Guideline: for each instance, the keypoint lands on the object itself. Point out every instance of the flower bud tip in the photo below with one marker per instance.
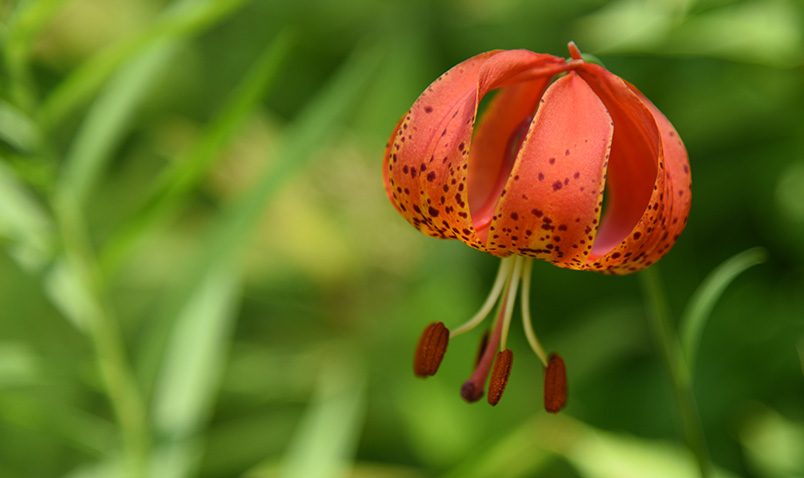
(574, 52)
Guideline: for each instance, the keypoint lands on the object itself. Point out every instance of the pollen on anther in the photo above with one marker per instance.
(555, 384)
(430, 350)
(499, 375)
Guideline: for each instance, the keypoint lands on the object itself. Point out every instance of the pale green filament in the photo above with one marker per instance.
(503, 273)
(510, 299)
(526, 319)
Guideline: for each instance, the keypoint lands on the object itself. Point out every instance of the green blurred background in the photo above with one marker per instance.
(201, 274)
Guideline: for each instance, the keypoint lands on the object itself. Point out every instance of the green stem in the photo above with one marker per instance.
(679, 372)
(103, 330)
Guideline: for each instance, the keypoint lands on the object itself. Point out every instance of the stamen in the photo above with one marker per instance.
(502, 275)
(499, 375)
(510, 299)
(555, 384)
(472, 389)
(430, 350)
(527, 322)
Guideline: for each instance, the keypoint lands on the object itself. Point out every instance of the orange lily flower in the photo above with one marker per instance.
(528, 181)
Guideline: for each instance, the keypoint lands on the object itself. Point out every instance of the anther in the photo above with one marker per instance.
(430, 350)
(499, 375)
(555, 384)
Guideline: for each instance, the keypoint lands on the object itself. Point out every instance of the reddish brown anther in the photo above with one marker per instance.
(555, 384)
(499, 375)
(431, 349)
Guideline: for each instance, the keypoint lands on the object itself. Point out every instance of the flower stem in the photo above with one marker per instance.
(679, 372)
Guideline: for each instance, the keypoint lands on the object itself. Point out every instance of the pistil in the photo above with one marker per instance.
(472, 389)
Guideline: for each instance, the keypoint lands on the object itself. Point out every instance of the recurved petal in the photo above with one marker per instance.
(635, 215)
(426, 161)
(551, 202)
(678, 183)
(495, 146)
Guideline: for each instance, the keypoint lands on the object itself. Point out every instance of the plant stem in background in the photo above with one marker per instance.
(679, 373)
(103, 330)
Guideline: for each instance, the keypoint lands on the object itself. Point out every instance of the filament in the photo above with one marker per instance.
(510, 299)
(526, 319)
(502, 275)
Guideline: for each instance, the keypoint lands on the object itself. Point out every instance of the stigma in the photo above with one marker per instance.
(494, 360)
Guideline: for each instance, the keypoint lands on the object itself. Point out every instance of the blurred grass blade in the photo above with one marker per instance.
(19, 365)
(773, 443)
(172, 188)
(196, 356)
(326, 440)
(111, 112)
(703, 301)
(598, 454)
(310, 131)
(16, 40)
(106, 123)
(17, 130)
(26, 21)
(179, 22)
(24, 222)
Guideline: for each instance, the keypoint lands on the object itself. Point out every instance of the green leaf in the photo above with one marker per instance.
(24, 222)
(706, 296)
(316, 124)
(191, 372)
(17, 129)
(18, 365)
(110, 114)
(773, 443)
(179, 22)
(326, 439)
(173, 187)
(27, 20)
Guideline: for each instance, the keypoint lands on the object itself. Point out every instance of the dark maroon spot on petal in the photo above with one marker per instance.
(431, 176)
(428, 109)
(557, 185)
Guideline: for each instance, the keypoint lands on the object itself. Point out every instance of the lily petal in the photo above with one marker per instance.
(551, 203)
(636, 178)
(426, 162)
